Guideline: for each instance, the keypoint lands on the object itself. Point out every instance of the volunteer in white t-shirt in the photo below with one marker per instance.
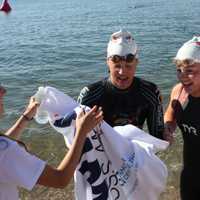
(21, 169)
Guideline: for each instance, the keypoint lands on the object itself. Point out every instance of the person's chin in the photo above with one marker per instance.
(123, 85)
(188, 89)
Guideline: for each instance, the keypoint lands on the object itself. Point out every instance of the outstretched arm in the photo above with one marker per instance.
(16, 130)
(61, 176)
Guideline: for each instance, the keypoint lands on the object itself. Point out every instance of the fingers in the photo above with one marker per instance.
(168, 136)
(31, 108)
(81, 114)
(94, 116)
(97, 114)
(33, 100)
(93, 110)
(33, 103)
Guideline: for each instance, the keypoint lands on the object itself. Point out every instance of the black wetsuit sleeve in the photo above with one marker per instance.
(84, 96)
(91, 95)
(155, 120)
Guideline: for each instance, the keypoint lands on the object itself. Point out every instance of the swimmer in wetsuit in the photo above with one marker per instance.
(124, 98)
(183, 111)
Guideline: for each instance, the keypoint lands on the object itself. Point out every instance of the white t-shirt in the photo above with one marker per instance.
(18, 168)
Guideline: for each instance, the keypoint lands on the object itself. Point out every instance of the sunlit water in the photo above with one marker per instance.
(63, 44)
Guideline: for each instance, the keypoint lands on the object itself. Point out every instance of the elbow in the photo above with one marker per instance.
(54, 178)
(63, 180)
(63, 183)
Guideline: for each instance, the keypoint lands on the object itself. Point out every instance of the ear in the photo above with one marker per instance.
(107, 61)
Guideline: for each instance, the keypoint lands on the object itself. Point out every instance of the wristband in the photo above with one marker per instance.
(26, 118)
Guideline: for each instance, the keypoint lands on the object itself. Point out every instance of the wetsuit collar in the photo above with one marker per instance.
(114, 88)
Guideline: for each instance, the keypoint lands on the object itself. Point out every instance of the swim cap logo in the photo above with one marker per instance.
(197, 43)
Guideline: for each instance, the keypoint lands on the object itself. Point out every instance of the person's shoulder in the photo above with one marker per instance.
(177, 87)
(91, 91)
(97, 84)
(93, 87)
(147, 84)
(178, 91)
(149, 91)
(5, 143)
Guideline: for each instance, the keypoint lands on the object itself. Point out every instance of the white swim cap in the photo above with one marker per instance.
(121, 43)
(190, 50)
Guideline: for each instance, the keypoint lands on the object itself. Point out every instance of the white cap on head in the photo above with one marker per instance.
(190, 50)
(121, 43)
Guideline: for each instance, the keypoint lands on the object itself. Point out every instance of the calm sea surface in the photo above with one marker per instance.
(63, 44)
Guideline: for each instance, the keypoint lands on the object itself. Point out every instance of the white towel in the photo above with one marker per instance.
(117, 163)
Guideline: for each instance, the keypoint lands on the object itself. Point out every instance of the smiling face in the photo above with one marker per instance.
(122, 72)
(189, 75)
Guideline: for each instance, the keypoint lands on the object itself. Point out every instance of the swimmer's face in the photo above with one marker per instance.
(189, 76)
(122, 71)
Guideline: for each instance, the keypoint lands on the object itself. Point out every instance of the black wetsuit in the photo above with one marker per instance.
(188, 120)
(140, 102)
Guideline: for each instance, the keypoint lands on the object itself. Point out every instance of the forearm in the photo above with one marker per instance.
(70, 161)
(169, 119)
(170, 126)
(61, 176)
(16, 130)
